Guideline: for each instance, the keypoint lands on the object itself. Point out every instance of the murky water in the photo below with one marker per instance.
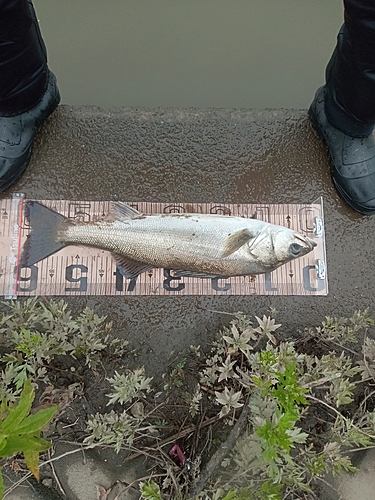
(190, 53)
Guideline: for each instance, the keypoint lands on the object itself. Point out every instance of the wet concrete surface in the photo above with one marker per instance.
(190, 155)
(182, 155)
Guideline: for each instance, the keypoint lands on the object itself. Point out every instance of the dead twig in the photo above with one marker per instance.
(220, 454)
(197, 434)
(55, 475)
(16, 484)
(175, 437)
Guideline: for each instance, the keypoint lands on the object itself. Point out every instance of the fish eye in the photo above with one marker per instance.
(295, 249)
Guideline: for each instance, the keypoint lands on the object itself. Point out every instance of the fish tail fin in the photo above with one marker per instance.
(42, 240)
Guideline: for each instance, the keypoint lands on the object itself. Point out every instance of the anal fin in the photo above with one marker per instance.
(130, 268)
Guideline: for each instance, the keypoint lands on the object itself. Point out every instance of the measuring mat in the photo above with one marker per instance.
(78, 270)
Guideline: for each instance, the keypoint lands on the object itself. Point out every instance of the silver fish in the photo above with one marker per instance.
(195, 245)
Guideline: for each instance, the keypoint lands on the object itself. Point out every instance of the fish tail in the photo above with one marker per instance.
(42, 240)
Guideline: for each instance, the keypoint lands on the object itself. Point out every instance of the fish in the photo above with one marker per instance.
(190, 244)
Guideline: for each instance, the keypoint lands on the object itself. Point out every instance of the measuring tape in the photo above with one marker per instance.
(76, 270)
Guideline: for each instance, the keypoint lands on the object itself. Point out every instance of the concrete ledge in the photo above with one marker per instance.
(197, 155)
(219, 155)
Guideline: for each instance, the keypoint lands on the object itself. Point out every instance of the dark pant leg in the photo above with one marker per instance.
(23, 58)
(350, 74)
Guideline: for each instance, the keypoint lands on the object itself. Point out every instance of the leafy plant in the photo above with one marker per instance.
(121, 429)
(229, 399)
(20, 430)
(290, 410)
(34, 333)
(176, 376)
(284, 388)
(128, 386)
(150, 490)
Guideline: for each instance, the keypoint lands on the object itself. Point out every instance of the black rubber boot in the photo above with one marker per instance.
(28, 90)
(343, 111)
(352, 158)
(17, 134)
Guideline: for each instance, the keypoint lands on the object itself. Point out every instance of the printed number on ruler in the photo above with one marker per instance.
(77, 280)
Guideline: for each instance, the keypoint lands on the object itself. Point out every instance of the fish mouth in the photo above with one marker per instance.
(306, 240)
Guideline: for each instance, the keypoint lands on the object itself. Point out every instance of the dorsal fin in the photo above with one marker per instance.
(121, 211)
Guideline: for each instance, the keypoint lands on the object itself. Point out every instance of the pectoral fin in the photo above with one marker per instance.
(130, 268)
(235, 241)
